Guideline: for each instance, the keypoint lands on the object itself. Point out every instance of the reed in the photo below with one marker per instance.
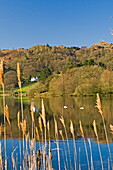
(1, 160)
(111, 128)
(13, 159)
(40, 126)
(43, 142)
(19, 127)
(74, 144)
(96, 134)
(79, 151)
(37, 134)
(3, 92)
(99, 106)
(57, 142)
(22, 113)
(1, 74)
(82, 134)
(7, 114)
(43, 116)
(32, 155)
(65, 153)
(18, 119)
(18, 76)
(48, 128)
(20, 86)
(32, 112)
(32, 118)
(91, 154)
(27, 138)
(49, 142)
(23, 126)
(63, 123)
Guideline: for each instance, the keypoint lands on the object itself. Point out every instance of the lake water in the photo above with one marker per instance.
(80, 153)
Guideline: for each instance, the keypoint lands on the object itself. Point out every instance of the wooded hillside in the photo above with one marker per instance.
(61, 70)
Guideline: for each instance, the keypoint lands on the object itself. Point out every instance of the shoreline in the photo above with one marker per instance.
(51, 95)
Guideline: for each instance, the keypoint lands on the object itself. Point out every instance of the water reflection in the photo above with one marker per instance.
(54, 107)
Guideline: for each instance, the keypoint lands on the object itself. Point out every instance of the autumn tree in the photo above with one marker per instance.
(10, 79)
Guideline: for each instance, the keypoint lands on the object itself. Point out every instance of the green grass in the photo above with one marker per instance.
(25, 87)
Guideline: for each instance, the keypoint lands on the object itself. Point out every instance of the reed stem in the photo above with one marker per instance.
(96, 134)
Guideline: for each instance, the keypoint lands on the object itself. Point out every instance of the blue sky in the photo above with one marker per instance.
(25, 23)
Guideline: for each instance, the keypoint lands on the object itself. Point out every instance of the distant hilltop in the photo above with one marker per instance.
(103, 44)
(99, 44)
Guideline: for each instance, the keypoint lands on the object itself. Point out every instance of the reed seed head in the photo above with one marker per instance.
(18, 119)
(48, 126)
(32, 112)
(1, 73)
(40, 123)
(18, 75)
(60, 131)
(7, 114)
(111, 128)
(71, 127)
(27, 137)
(23, 126)
(81, 129)
(43, 114)
(99, 105)
(37, 133)
(62, 121)
(95, 128)
(56, 127)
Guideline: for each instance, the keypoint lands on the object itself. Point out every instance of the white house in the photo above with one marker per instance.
(34, 79)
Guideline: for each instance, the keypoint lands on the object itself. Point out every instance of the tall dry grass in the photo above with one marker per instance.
(7, 115)
(99, 106)
(1, 160)
(63, 123)
(96, 134)
(33, 119)
(74, 143)
(91, 154)
(86, 151)
(20, 87)
(64, 151)
(3, 92)
(57, 142)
